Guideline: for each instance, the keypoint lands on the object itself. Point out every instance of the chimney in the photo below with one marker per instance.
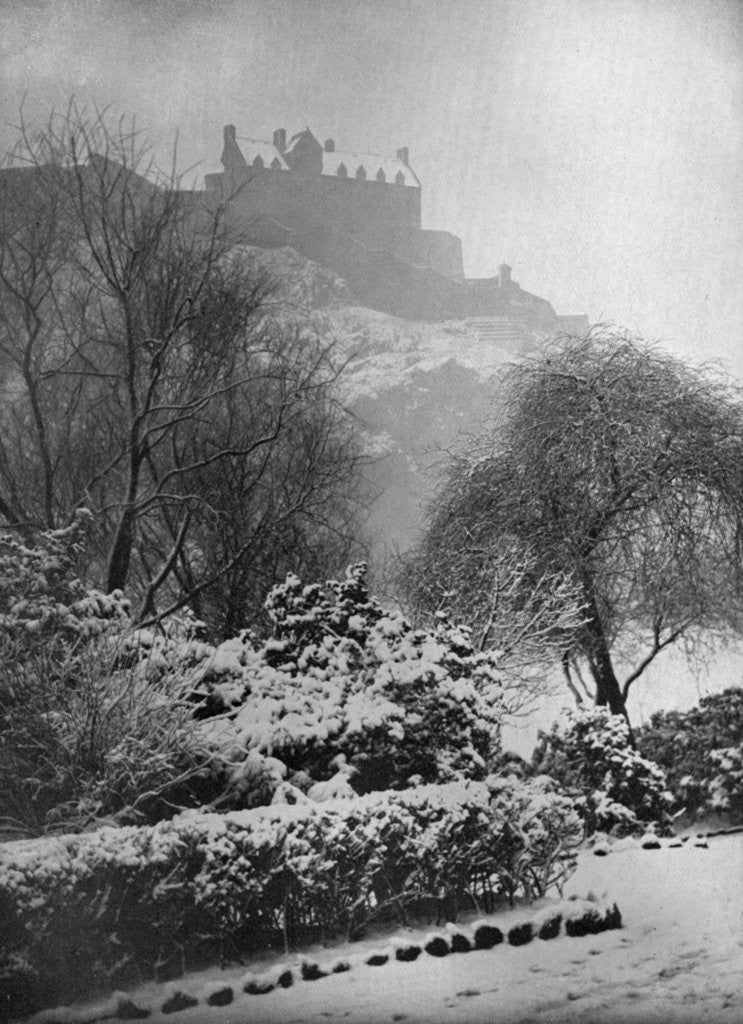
(229, 131)
(329, 146)
(504, 275)
(279, 139)
(403, 155)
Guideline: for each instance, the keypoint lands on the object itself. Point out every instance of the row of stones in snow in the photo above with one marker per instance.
(573, 917)
(604, 845)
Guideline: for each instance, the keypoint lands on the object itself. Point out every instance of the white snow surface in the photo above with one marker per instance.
(677, 958)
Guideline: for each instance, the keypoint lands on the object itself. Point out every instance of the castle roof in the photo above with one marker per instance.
(390, 167)
(375, 168)
(268, 153)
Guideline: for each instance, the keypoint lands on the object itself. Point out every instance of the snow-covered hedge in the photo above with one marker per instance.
(113, 905)
(344, 681)
(701, 751)
(616, 789)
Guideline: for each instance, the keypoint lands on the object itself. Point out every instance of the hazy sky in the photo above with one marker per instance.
(595, 145)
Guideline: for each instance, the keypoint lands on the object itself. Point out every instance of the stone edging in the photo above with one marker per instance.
(573, 917)
(653, 842)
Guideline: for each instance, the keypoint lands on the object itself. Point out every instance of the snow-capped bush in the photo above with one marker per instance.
(693, 747)
(615, 788)
(726, 785)
(41, 597)
(92, 725)
(102, 906)
(87, 739)
(102, 719)
(535, 841)
(342, 677)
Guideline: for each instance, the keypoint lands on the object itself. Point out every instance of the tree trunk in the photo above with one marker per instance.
(121, 551)
(608, 690)
(119, 559)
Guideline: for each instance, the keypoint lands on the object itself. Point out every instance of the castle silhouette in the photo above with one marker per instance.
(359, 214)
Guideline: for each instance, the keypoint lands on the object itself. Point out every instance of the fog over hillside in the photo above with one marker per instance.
(596, 147)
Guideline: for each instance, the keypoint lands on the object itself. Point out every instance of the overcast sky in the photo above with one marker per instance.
(595, 145)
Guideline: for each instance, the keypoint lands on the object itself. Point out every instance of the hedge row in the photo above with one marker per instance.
(117, 905)
(574, 918)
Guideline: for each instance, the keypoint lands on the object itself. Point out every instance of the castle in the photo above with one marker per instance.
(360, 215)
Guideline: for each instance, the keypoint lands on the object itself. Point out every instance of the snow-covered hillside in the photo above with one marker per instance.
(414, 386)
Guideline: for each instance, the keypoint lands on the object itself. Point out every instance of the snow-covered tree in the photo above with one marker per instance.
(614, 471)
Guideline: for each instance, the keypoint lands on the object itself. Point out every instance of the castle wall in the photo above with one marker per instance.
(370, 210)
(437, 250)
(390, 284)
(488, 296)
(376, 277)
(413, 274)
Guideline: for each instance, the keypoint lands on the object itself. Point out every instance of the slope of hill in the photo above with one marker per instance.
(414, 386)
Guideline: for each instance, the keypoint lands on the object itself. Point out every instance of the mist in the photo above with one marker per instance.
(597, 146)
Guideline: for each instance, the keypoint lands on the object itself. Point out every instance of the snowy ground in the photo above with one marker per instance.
(678, 958)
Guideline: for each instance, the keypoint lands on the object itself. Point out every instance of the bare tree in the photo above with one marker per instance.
(512, 604)
(143, 364)
(292, 507)
(615, 471)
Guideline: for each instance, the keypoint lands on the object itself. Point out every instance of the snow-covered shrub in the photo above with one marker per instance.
(91, 724)
(88, 738)
(342, 678)
(529, 832)
(726, 785)
(535, 837)
(101, 719)
(691, 747)
(615, 788)
(83, 909)
(42, 600)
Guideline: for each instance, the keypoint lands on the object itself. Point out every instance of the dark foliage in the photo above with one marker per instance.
(592, 758)
(683, 742)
